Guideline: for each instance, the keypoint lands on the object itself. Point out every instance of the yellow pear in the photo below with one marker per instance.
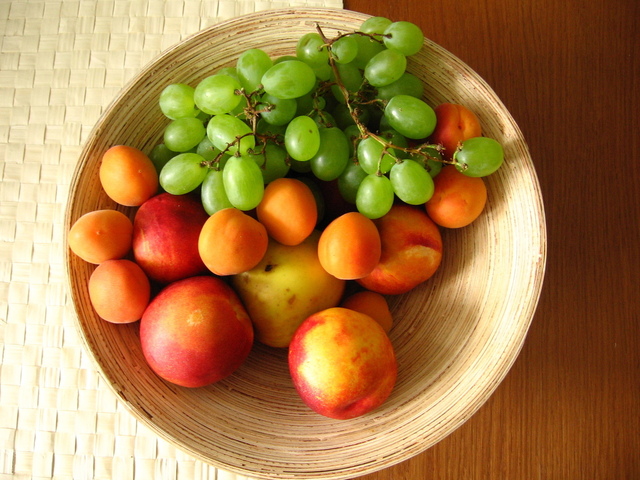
(285, 288)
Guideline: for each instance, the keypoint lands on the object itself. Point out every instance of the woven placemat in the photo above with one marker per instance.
(61, 64)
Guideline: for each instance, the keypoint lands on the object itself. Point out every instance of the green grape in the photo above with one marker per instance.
(323, 119)
(375, 25)
(352, 132)
(239, 111)
(302, 138)
(332, 156)
(433, 167)
(284, 58)
(410, 116)
(272, 160)
(385, 67)
(231, 71)
(207, 150)
(216, 94)
(305, 104)
(289, 79)
(323, 72)
(479, 156)
(397, 139)
(375, 196)
(183, 173)
(183, 134)
(383, 123)
(344, 50)
(300, 167)
(407, 84)
(367, 49)
(432, 162)
(372, 156)
(277, 111)
(349, 181)
(343, 116)
(319, 103)
(251, 66)
(311, 49)
(176, 101)
(274, 131)
(350, 77)
(203, 117)
(406, 37)
(212, 193)
(411, 182)
(160, 155)
(243, 182)
(225, 130)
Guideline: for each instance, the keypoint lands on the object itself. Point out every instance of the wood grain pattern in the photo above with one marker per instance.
(569, 74)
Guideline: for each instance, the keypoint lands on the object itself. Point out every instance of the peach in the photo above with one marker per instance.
(166, 230)
(454, 123)
(196, 332)
(411, 251)
(342, 363)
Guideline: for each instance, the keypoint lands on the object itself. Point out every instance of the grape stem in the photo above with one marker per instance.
(388, 147)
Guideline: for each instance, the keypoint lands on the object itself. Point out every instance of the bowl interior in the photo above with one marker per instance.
(456, 336)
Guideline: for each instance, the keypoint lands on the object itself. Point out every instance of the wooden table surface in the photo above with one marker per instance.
(569, 72)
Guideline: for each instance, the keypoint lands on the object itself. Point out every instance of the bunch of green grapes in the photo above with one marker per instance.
(342, 109)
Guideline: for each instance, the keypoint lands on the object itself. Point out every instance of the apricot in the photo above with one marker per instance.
(454, 124)
(101, 235)
(288, 210)
(457, 198)
(128, 176)
(373, 304)
(119, 291)
(232, 242)
(349, 247)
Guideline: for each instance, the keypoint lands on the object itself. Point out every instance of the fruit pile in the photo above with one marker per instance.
(288, 197)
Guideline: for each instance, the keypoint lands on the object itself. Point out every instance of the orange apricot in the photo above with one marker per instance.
(288, 211)
(373, 304)
(350, 247)
(232, 242)
(457, 198)
(101, 235)
(119, 291)
(128, 176)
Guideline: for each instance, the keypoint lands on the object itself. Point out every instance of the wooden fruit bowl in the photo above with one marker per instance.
(456, 336)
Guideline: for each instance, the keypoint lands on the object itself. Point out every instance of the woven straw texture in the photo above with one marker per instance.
(61, 64)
